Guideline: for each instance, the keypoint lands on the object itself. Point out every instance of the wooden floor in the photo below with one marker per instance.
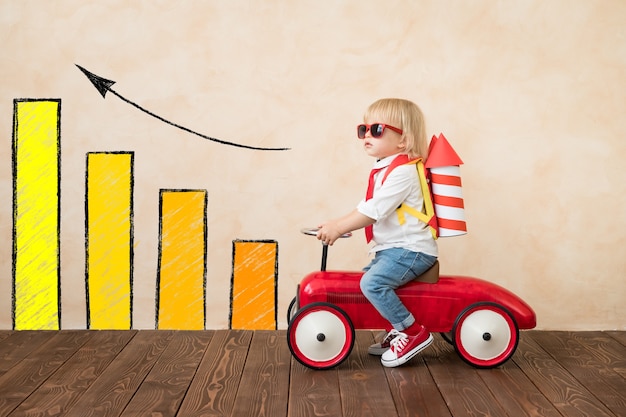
(246, 373)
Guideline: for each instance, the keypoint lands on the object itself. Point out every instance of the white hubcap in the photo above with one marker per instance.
(320, 336)
(485, 334)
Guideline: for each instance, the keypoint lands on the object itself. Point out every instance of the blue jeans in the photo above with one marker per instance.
(390, 269)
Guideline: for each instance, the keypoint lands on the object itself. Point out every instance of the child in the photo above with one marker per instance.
(394, 128)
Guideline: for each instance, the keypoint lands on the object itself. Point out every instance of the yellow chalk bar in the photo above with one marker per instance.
(182, 260)
(36, 267)
(109, 239)
(253, 288)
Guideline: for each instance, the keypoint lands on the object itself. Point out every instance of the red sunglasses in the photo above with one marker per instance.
(376, 129)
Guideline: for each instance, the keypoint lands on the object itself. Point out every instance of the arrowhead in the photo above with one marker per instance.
(441, 153)
(102, 84)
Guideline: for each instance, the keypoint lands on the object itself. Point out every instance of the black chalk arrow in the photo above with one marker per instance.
(104, 86)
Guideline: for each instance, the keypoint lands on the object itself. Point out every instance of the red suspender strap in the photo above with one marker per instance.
(402, 159)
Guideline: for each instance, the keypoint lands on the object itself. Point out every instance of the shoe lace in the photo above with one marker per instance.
(399, 341)
(393, 333)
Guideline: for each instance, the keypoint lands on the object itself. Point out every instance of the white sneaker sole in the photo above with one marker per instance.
(404, 359)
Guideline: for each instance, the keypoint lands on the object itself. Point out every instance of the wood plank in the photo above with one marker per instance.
(213, 390)
(21, 380)
(165, 386)
(590, 357)
(313, 393)
(562, 389)
(5, 333)
(414, 390)
(19, 345)
(57, 394)
(113, 390)
(461, 385)
(265, 380)
(516, 393)
(620, 336)
(362, 382)
(600, 346)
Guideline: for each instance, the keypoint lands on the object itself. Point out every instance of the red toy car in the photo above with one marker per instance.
(480, 319)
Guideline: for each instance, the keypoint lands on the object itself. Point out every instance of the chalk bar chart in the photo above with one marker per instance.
(181, 281)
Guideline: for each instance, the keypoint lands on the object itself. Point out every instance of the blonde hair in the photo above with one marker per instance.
(405, 115)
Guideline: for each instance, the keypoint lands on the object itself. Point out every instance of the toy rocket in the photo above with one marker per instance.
(445, 183)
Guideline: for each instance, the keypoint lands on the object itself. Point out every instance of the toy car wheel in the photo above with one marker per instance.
(291, 310)
(485, 335)
(320, 336)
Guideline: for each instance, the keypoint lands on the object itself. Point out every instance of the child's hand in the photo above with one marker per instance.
(328, 232)
(332, 230)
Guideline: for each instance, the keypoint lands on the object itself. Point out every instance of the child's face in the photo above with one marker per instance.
(390, 143)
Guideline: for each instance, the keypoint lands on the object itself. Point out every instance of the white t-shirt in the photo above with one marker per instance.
(401, 186)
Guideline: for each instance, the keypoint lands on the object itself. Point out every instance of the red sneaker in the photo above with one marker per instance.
(405, 347)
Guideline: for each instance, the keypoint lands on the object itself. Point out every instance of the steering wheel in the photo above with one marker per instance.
(312, 231)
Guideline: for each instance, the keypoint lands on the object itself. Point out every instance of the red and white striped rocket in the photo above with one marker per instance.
(445, 183)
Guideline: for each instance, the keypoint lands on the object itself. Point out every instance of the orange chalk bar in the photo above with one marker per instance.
(253, 289)
(182, 260)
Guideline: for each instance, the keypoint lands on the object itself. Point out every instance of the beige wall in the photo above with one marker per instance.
(532, 95)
